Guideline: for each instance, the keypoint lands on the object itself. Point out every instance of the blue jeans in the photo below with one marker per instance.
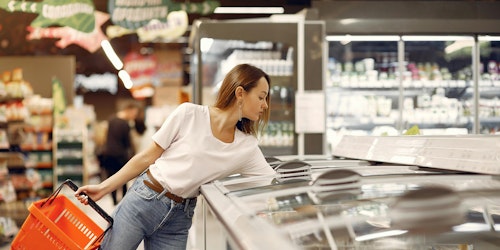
(146, 215)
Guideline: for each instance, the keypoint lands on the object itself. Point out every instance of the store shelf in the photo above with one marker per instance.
(490, 122)
(484, 92)
(69, 155)
(13, 158)
(435, 89)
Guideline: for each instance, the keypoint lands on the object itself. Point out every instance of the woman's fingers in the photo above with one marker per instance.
(83, 198)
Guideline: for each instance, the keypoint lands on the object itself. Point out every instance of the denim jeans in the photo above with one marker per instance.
(146, 215)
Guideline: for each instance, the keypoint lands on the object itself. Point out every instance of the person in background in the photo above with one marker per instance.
(118, 147)
(195, 145)
(138, 131)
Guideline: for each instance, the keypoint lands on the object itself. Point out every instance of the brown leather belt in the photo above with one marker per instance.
(157, 187)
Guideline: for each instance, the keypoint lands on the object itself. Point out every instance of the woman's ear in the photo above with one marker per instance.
(239, 92)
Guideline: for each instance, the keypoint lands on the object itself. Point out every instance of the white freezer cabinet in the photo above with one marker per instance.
(344, 203)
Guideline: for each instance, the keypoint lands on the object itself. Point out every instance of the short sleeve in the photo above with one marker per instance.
(170, 128)
(257, 165)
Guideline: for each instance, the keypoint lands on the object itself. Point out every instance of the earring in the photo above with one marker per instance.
(240, 113)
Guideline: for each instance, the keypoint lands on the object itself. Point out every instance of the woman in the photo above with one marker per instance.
(195, 145)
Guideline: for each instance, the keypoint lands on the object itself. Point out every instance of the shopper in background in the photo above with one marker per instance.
(118, 147)
(138, 131)
(195, 145)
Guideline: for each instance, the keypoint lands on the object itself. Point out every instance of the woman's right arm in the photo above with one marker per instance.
(130, 170)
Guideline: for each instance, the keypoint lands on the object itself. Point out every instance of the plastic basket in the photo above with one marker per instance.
(57, 223)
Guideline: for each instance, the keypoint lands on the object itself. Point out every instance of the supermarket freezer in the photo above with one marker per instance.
(334, 203)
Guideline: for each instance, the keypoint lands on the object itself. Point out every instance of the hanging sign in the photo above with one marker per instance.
(67, 36)
(141, 69)
(134, 14)
(77, 14)
(78, 22)
(176, 25)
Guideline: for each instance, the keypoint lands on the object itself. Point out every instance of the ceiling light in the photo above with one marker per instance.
(125, 77)
(361, 38)
(111, 54)
(206, 44)
(489, 38)
(437, 38)
(249, 10)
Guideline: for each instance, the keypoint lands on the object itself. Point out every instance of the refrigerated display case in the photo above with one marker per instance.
(289, 48)
(438, 53)
(370, 203)
(387, 84)
(489, 84)
(362, 91)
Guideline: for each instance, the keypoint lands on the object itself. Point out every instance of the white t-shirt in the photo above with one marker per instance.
(193, 156)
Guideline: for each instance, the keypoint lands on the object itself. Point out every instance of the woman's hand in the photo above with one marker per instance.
(95, 192)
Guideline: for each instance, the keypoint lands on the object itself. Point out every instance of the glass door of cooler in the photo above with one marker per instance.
(489, 84)
(362, 92)
(219, 56)
(438, 84)
(367, 96)
(273, 45)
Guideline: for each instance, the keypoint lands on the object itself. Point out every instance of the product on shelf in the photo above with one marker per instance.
(28, 128)
(15, 85)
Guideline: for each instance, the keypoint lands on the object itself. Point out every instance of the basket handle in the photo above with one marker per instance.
(92, 203)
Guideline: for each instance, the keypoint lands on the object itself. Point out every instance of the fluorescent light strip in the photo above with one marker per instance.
(111, 54)
(489, 38)
(249, 10)
(437, 38)
(361, 38)
(206, 44)
(125, 77)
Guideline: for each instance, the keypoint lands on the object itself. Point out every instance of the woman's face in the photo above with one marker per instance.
(254, 101)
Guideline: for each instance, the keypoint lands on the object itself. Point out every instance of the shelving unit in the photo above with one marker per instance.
(37, 146)
(384, 85)
(416, 53)
(69, 156)
(12, 212)
(27, 133)
(9, 161)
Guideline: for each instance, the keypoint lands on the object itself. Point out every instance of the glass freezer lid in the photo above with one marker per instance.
(432, 217)
(239, 186)
(377, 191)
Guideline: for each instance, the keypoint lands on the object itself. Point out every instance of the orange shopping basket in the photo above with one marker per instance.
(57, 223)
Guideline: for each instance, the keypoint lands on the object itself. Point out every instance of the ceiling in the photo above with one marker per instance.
(13, 34)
